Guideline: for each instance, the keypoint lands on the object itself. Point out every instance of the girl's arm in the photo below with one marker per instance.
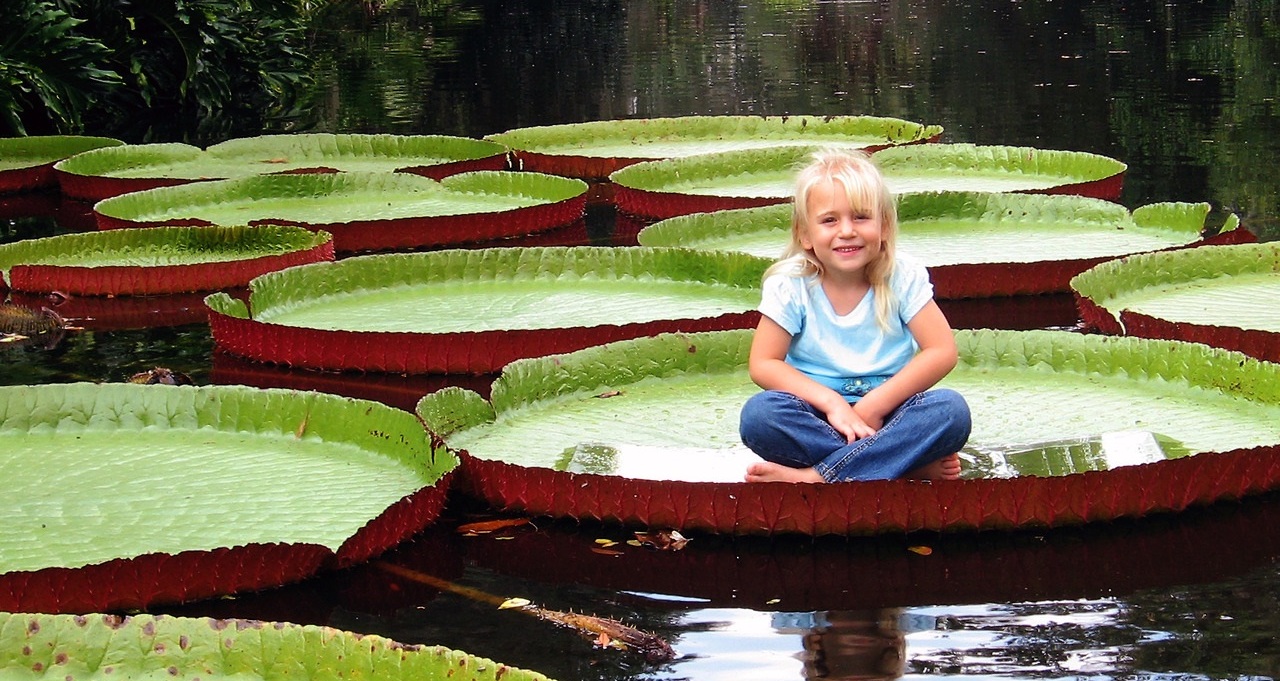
(768, 368)
(937, 357)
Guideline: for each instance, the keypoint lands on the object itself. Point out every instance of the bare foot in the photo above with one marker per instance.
(946, 468)
(767, 471)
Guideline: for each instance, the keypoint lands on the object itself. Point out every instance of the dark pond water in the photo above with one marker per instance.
(1185, 93)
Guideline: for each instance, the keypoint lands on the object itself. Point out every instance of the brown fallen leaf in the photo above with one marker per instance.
(483, 526)
(662, 540)
(610, 393)
(921, 550)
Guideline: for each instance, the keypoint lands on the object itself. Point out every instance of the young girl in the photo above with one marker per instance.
(849, 344)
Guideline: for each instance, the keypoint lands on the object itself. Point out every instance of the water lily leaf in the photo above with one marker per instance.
(759, 177)
(121, 495)
(1207, 295)
(595, 149)
(364, 211)
(157, 260)
(135, 167)
(974, 244)
(474, 311)
(145, 646)
(26, 163)
(683, 392)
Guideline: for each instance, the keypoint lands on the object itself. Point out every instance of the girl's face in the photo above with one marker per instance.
(844, 239)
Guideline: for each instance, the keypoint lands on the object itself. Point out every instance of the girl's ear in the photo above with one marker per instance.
(802, 235)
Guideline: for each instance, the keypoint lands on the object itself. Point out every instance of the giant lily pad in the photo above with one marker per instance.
(26, 163)
(123, 495)
(474, 311)
(144, 646)
(157, 260)
(364, 211)
(674, 400)
(761, 177)
(111, 172)
(976, 244)
(1221, 295)
(593, 150)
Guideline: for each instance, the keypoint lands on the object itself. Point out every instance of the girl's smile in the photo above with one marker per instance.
(842, 238)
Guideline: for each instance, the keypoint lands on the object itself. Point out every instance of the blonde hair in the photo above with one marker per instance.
(866, 190)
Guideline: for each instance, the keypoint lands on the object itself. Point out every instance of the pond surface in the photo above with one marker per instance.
(1184, 93)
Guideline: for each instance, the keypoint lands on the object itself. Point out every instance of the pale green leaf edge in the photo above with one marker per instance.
(83, 647)
(267, 239)
(1104, 282)
(395, 186)
(285, 288)
(894, 161)
(639, 132)
(395, 150)
(43, 149)
(1183, 219)
(83, 407)
(610, 366)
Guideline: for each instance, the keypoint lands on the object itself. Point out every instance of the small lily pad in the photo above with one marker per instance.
(1214, 295)
(975, 244)
(761, 177)
(595, 149)
(364, 211)
(135, 167)
(474, 311)
(82, 647)
(122, 495)
(159, 260)
(26, 163)
(682, 393)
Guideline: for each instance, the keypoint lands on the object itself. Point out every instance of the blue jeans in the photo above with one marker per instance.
(785, 429)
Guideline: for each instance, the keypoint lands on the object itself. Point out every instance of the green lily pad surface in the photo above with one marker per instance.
(1009, 243)
(26, 163)
(741, 179)
(364, 211)
(95, 474)
(595, 149)
(476, 310)
(90, 175)
(1044, 404)
(1216, 295)
(83, 647)
(157, 260)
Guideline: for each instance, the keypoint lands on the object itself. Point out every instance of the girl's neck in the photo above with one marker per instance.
(845, 293)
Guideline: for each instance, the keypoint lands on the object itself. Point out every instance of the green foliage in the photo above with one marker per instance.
(195, 64)
(49, 75)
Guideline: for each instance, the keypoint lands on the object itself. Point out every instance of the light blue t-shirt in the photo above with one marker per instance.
(850, 354)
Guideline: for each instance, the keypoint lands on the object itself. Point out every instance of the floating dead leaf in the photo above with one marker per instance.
(515, 603)
(302, 427)
(606, 542)
(773, 601)
(610, 393)
(662, 540)
(634, 542)
(921, 550)
(485, 526)
(606, 552)
(276, 160)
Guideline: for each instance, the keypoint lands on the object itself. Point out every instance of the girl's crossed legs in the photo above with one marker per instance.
(786, 430)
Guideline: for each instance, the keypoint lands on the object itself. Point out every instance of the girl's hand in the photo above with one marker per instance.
(848, 423)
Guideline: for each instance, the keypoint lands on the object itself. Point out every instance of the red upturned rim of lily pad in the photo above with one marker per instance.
(26, 163)
(595, 149)
(237, 329)
(216, 258)
(388, 211)
(137, 167)
(873, 507)
(1095, 288)
(134, 577)
(667, 188)
(981, 244)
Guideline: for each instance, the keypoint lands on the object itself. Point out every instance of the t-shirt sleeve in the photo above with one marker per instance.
(780, 302)
(912, 287)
